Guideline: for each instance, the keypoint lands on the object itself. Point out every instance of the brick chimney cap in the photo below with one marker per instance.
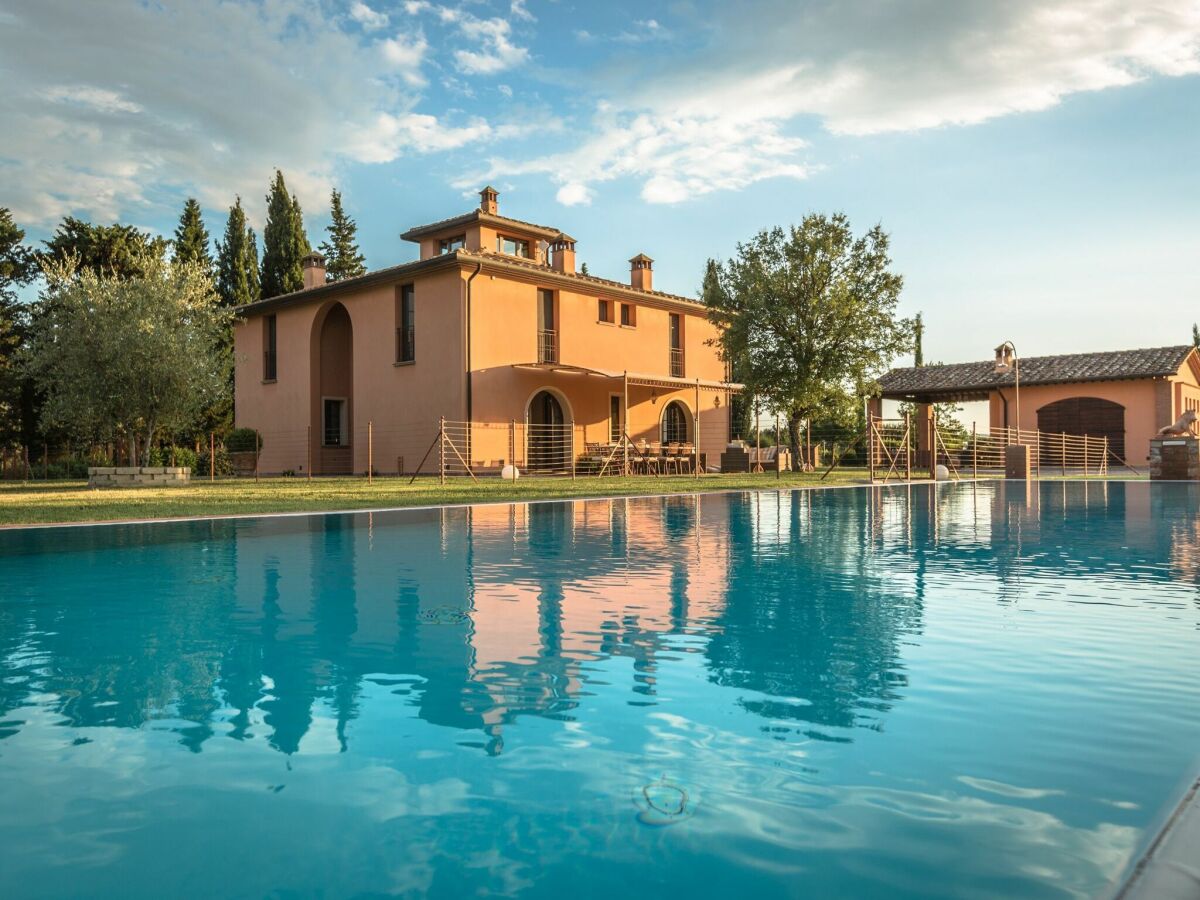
(641, 257)
(313, 259)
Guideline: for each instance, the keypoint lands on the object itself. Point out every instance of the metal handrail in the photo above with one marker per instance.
(676, 362)
(547, 346)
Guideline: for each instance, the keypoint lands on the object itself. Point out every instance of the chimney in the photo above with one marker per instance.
(314, 270)
(641, 272)
(563, 250)
(488, 201)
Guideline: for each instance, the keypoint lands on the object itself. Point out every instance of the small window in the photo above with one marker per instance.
(270, 368)
(614, 418)
(512, 246)
(604, 310)
(406, 332)
(628, 315)
(449, 245)
(334, 423)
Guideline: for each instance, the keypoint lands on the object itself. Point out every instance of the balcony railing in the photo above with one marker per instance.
(547, 346)
(676, 363)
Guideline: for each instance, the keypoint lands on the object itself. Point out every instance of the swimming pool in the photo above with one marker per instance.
(964, 690)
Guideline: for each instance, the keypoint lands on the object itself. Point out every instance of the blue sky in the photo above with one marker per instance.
(1035, 163)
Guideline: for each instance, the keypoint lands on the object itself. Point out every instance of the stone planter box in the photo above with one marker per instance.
(1175, 459)
(138, 476)
(243, 462)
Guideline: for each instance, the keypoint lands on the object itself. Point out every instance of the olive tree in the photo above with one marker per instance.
(808, 314)
(128, 358)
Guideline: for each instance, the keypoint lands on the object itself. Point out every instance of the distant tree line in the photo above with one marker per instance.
(129, 341)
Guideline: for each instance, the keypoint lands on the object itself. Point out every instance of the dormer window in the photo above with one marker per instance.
(512, 246)
(449, 245)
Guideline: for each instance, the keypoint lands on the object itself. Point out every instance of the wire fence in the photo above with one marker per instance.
(886, 448)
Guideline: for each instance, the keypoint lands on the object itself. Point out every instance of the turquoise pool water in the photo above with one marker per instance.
(963, 691)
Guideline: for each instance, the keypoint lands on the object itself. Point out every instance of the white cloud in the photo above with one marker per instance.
(505, 90)
(99, 99)
(405, 54)
(518, 11)
(727, 117)
(367, 17)
(496, 51)
(674, 157)
(121, 127)
(574, 194)
(889, 68)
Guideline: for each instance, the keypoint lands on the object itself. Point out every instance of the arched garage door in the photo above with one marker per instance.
(1086, 415)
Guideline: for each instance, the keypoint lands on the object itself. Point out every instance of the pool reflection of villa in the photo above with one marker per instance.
(817, 674)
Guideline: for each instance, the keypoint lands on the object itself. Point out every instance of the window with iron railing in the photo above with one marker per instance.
(676, 363)
(547, 333)
(547, 346)
(676, 332)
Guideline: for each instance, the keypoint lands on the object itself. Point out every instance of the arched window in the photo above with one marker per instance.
(675, 424)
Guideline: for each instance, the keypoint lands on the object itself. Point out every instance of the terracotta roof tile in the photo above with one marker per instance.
(980, 377)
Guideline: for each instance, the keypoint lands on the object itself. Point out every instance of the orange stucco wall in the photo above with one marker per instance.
(403, 403)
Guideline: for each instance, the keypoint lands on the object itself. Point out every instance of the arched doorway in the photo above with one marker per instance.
(547, 441)
(1092, 416)
(333, 412)
(675, 423)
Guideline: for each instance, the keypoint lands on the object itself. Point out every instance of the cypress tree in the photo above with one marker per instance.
(284, 242)
(191, 237)
(918, 335)
(342, 257)
(237, 260)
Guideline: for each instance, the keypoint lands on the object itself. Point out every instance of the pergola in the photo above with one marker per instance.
(637, 379)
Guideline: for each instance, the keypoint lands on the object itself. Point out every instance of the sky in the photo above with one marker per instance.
(1035, 163)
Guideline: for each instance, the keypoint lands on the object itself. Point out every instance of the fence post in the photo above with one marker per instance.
(512, 442)
(45, 461)
(1104, 461)
(212, 456)
(442, 449)
(257, 453)
(572, 449)
(870, 446)
(1085, 456)
(974, 453)
(370, 451)
(308, 448)
(778, 447)
(908, 446)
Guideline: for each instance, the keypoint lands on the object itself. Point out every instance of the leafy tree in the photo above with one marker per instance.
(128, 358)
(284, 242)
(1196, 335)
(237, 260)
(342, 257)
(583, 270)
(808, 313)
(18, 266)
(116, 249)
(191, 237)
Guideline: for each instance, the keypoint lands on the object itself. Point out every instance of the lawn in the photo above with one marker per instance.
(29, 503)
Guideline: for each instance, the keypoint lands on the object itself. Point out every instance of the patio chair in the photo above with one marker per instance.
(671, 461)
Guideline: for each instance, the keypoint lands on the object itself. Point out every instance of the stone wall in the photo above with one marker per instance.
(136, 476)
(1175, 459)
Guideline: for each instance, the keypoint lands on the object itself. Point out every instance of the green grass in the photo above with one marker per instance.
(31, 503)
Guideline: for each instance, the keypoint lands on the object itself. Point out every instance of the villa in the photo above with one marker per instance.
(494, 331)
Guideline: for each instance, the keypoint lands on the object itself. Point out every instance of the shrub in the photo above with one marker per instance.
(223, 465)
(242, 440)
